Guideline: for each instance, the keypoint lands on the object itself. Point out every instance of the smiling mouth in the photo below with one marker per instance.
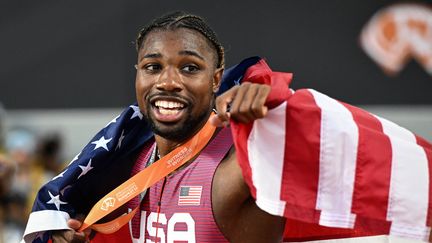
(168, 108)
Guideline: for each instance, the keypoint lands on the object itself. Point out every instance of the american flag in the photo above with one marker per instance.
(190, 196)
(84, 180)
(333, 164)
(327, 164)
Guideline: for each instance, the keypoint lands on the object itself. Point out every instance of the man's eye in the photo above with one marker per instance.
(152, 67)
(190, 68)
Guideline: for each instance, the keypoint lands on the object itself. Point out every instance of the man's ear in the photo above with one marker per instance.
(217, 79)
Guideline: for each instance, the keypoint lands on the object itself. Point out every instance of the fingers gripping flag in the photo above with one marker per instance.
(316, 160)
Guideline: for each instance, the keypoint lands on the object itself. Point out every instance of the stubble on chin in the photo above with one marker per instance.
(178, 131)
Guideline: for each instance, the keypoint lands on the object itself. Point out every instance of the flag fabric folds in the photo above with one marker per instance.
(314, 160)
(333, 164)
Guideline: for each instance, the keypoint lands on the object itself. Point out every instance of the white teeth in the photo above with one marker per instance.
(168, 104)
(168, 112)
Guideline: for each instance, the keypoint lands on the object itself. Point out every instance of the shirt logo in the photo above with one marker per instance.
(190, 196)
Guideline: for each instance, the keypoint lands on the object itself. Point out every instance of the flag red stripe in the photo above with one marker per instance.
(302, 152)
(428, 150)
(241, 135)
(374, 155)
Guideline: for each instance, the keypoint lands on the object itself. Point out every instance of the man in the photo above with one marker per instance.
(214, 197)
(180, 65)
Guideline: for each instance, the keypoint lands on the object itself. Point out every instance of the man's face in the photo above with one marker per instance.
(175, 82)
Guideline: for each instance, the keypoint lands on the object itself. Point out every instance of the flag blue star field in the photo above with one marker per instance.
(53, 205)
(331, 169)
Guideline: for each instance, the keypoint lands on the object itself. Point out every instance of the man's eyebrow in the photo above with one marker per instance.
(152, 55)
(191, 53)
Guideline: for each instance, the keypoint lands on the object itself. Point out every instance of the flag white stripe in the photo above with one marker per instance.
(409, 184)
(338, 156)
(266, 146)
(45, 220)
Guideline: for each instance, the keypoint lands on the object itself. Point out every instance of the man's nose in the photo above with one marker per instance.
(169, 80)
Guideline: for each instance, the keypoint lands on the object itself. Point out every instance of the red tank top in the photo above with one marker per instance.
(185, 213)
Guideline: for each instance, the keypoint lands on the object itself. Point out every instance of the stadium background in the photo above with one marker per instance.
(68, 66)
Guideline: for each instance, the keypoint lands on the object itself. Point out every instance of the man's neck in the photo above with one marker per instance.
(165, 146)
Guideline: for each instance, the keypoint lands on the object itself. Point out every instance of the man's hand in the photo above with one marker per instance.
(243, 103)
(73, 236)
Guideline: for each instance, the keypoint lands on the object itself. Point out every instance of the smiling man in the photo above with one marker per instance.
(177, 76)
(312, 168)
(180, 66)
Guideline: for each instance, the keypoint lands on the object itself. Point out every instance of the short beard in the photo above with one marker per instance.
(183, 132)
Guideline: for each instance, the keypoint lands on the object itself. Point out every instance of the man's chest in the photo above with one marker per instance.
(178, 209)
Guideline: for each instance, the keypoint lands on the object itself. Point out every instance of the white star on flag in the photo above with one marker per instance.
(75, 158)
(102, 143)
(122, 136)
(60, 175)
(85, 169)
(55, 200)
(113, 120)
(137, 112)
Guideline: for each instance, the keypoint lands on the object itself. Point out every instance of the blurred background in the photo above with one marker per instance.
(67, 69)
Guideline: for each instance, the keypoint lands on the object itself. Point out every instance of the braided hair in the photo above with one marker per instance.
(176, 20)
